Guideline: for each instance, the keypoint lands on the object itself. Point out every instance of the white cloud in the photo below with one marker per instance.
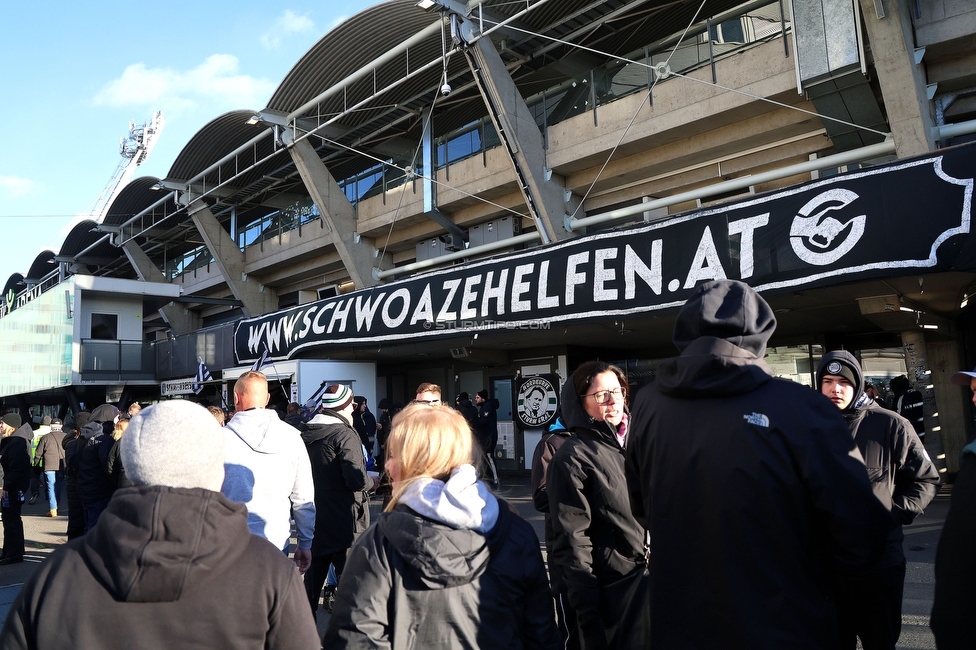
(14, 187)
(215, 83)
(286, 24)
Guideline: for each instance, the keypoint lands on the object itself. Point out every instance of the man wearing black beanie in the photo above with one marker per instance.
(904, 479)
(750, 487)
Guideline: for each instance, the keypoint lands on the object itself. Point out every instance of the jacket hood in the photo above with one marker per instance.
(104, 413)
(441, 547)
(25, 431)
(260, 429)
(847, 359)
(462, 502)
(728, 310)
(712, 367)
(320, 425)
(153, 540)
(91, 430)
(558, 426)
(491, 403)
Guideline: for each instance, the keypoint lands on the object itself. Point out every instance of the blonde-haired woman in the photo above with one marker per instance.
(114, 463)
(448, 565)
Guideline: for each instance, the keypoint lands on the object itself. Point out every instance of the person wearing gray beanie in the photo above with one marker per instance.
(154, 454)
(171, 561)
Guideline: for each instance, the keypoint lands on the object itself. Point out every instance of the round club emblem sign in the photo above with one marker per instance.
(536, 402)
(833, 368)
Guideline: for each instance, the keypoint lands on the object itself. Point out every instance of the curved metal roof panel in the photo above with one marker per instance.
(81, 237)
(42, 265)
(214, 141)
(351, 45)
(15, 282)
(134, 198)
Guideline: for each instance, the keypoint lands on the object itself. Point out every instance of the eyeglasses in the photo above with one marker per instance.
(604, 396)
(428, 402)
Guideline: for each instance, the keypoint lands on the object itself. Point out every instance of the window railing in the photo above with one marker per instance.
(117, 360)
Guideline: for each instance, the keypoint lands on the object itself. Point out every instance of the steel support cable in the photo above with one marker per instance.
(433, 179)
(647, 96)
(416, 152)
(707, 83)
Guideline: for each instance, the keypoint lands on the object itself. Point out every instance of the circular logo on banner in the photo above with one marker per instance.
(536, 402)
(833, 368)
(819, 238)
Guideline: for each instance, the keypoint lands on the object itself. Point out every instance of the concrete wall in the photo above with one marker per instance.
(951, 400)
(128, 310)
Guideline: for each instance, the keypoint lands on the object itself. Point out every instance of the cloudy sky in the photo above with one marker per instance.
(76, 74)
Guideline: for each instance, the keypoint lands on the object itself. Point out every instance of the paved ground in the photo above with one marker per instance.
(43, 534)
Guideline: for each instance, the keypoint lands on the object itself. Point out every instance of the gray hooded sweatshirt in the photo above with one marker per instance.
(267, 469)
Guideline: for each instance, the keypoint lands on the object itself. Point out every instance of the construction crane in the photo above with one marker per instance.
(134, 149)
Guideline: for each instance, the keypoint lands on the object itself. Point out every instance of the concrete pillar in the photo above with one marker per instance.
(920, 378)
(903, 84)
(180, 320)
(256, 299)
(952, 402)
(544, 192)
(337, 212)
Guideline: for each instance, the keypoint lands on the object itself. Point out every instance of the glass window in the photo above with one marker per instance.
(105, 327)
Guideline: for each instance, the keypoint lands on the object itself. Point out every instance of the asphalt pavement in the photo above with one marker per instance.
(44, 534)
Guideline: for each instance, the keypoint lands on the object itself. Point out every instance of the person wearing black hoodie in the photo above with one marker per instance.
(470, 412)
(598, 546)
(364, 422)
(904, 479)
(95, 484)
(339, 475)
(171, 562)
(73, 444)
(751, 487)
(487, 429)
(15, 475)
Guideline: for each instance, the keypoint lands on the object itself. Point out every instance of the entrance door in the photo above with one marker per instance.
(508, 448)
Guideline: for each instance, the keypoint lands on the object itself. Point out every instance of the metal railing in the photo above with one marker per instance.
(117, 360)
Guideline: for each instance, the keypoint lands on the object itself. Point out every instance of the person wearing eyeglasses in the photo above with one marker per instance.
(599, 548)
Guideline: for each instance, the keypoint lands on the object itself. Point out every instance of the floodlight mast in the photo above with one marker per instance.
(134, 149)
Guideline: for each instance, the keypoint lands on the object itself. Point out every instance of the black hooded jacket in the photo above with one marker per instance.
(420, 583)
(340, 479)
(750, 486)
(596, 538)
(94, 481)
(15, 460)
(488, 425)
(164, 568)
(903, 476)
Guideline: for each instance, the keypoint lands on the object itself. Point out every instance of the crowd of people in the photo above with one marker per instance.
(719, 507)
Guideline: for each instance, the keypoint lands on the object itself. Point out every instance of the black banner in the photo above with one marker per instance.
(860, 224)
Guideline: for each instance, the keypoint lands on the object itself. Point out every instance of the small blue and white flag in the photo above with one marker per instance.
(263, 360)
(313, 401)
(203, 374)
